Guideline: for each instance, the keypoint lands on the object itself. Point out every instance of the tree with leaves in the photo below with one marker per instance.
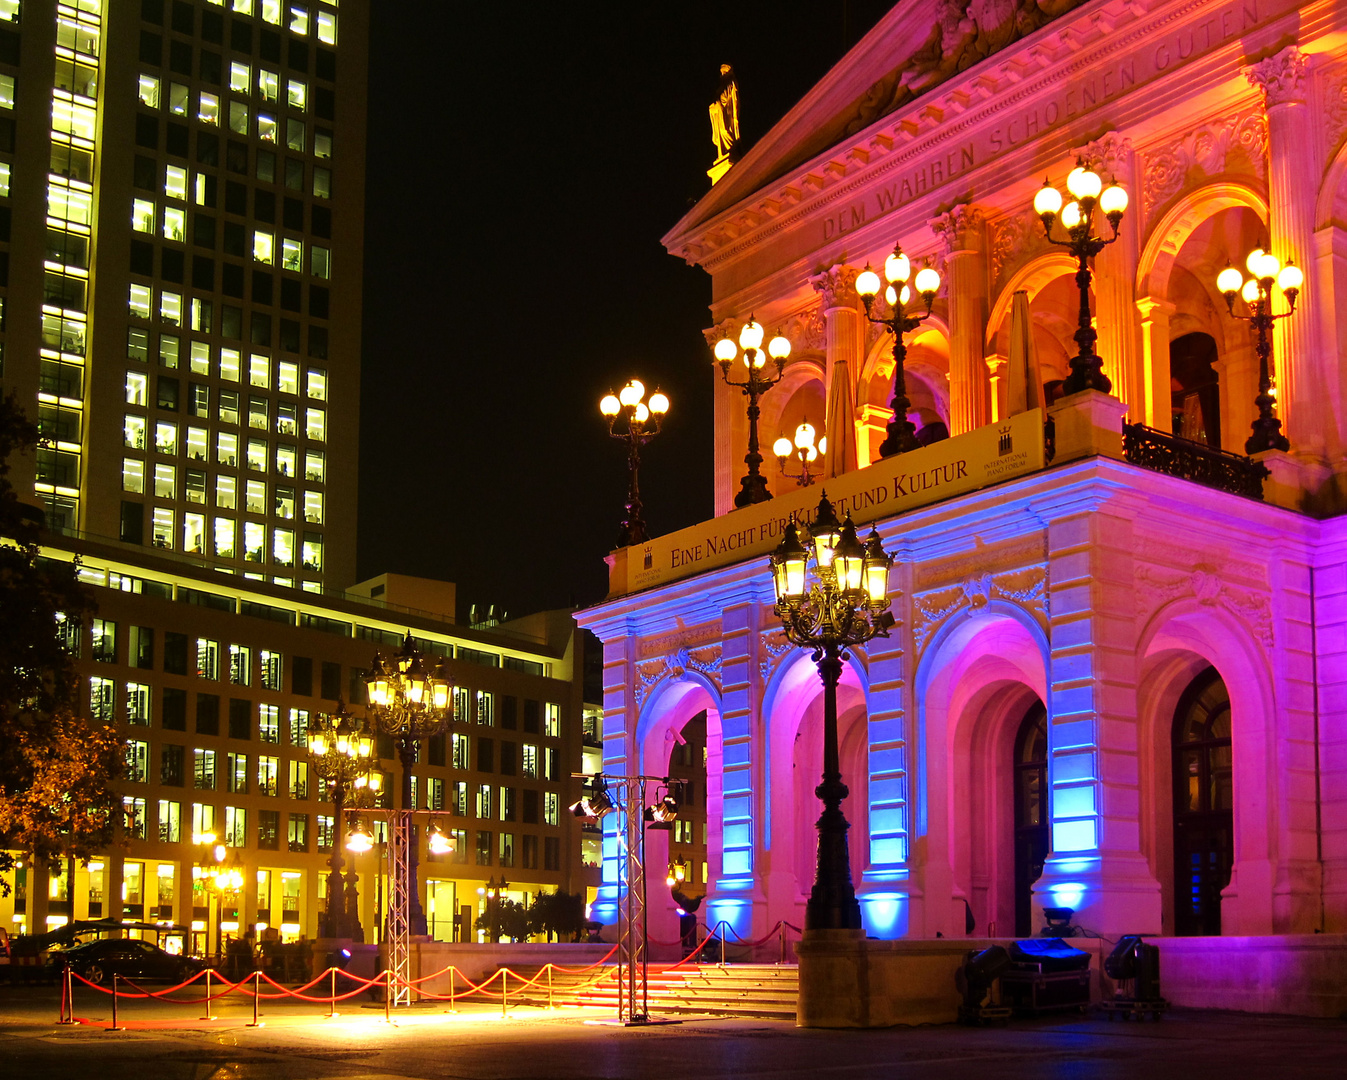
(559, 915)
(58, 772)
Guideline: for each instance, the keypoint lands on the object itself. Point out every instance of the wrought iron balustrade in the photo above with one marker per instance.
(1153, 449)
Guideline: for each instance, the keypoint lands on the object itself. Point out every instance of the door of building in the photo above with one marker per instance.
(1204, 836)
(1031, 811)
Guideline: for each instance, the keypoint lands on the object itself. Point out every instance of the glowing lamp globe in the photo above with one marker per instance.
(726, 350)
(782, 447)
(1048, 200)
(891, 295)
(804, 435)
(659, 403)
(609, 405)
(867, 284)
(1229, 281)
(750, 337)
(928, 283)
(642, 413)
(849, 558)
(1251, 263)
(877, 563)
(632, 393)
(1114, 200)
(1084, 183)
(1071, 216)
(897, 267)
(1291, 278)
(1250, 292)
(788, 565)
(779, 347)
(1268, 267)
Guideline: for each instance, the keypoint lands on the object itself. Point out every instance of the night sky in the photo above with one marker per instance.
(524, 160)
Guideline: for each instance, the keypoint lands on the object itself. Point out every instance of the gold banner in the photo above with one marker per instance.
(891, 486)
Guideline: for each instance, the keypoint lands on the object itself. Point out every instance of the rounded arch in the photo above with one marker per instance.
(879, 355)
(1179, 642)
(979, 673)
(1032, 278)
(1331, 206)
(1166, 239)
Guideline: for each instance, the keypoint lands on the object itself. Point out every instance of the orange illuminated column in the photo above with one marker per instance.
(1154, 404)
(1293, 169)
(1116, 316)
(845, 344)
(964, 236)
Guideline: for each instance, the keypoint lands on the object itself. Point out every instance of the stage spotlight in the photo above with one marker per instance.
(593, 806)
(662, 814)
(974, 981)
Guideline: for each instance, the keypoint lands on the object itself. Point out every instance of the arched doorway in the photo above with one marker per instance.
(1032, 838)
(1196, 388)
(1203, 820)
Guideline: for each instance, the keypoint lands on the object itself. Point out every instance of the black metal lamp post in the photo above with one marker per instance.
(901, 436)
(639, 423)
(1077, 217)
(343, 757)
(410, 703)
(846, 604)
(1267, 270)
(802, 451)
(494, 892)
(753, 486)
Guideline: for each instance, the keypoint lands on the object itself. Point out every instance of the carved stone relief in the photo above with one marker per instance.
(1233, 144)
(1157, 586)
(774, 647)
(705, 660)
(1024, 586)
(1335, 112)
(1014, 241)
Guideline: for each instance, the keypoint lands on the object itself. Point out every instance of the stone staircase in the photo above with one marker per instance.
(753, 990)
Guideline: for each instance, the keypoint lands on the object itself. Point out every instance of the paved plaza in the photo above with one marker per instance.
(167, 1042)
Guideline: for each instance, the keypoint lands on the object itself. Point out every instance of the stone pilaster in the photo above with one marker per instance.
(963, 232)
(1292, 182)
(1116, 316)
(845, 357)
(1154, 403)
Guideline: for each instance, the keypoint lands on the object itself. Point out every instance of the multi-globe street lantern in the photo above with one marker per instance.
(1077, 219)
(409, 701)
(901, 436)
(635, 422)
(802, 453)
(753, 486)
(342, 751)
(843, 603)
(1266, 272)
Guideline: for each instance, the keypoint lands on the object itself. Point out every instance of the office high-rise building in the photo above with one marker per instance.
(181, 192)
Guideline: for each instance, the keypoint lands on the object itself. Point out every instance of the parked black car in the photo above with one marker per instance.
(99, 961)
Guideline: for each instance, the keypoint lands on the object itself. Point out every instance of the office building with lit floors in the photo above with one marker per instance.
(1097, 423)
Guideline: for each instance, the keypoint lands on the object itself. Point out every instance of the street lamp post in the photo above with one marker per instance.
(343, 754)
(207, 871)
(494, 892)
(901, 436)
(634, 422)
(803, 451)
(1077, 218)
(847, 604)
(409, 703)
(1267, 270)
(753, 486)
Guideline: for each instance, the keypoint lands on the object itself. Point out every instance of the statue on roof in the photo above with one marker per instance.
(725, 124)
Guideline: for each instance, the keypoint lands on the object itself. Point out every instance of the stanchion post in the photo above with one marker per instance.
(257, 997)
(332, 1003)
(208, 996)
(114, 1005)
(782, 960)
(388, 995)
(720, 930)
(549, 987)
(453, 1006)
(504, 990)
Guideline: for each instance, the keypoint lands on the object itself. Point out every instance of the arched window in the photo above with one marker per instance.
(1196, 394)
(1031, 811)
(1203, 797)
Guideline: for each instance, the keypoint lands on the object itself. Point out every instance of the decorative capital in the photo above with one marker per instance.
(959, 227)
(724, 328)
(837, 285)
(1110, 156)
(1283, 77)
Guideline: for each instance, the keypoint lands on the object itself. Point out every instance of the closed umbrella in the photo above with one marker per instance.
(840, 456)
(1024, 390)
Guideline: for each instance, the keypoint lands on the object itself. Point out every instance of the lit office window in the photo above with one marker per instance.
(315, 424)
(257, 455)
(264, 244)
(161, 527)
(322, 143)
(552, 720)
(283, 547)
(243, 7)
(208, 111)
(133, 432)
(174, 223)
(297, 93)
(229, 365)
(224, 537)
(268, 716)
(194, 532)
(292, 256)
(4, 179)
(166, 437)
(315, 466)
(312, 552)
(240, 78)
(266, 127)
(136, 382)
(271, 667)
(169, 349)
(299, 20)
(7, 91)
(327, 27)
(316, 384)
(313, 507)
(287, 377)
(285, 460)
(194, 487)
(254, 540)
(268, 84)
(177, 99)
(102, 699)
(149, 91)
(236, 827)
(165, 481)
(238, 118)
(138, 762)
(170, 303)
(175, 182)
(197, 444)
(259, 371)
(226, 496)
(240, 665)
(139, 301)
(70, 203)
(227, 449)
(200, 358)
(257, 413)
(268, 773)
(255, 497)
(271, 11)
(287, 419)
(142, 215)
(133, 476)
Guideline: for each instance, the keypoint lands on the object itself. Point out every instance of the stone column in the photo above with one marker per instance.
(730, 421)
(1328, 287)
(963, 233)
(1153, 404)
(995, 365)
(874, 425)
(1116, 316)
(845, 357)
(1293, 140)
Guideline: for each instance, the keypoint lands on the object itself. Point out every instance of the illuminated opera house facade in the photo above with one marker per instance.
(1118, 676)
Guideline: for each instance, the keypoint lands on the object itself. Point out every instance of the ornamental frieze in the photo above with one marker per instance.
(1026, 587)
(704, 660)
(1235, 144)
(1335, 112)
(1015, 239)
(684, 637)
(985, 558)
(774, 646)
(1156, 587)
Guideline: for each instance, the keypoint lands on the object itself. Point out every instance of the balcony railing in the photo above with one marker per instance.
(1153, 449)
